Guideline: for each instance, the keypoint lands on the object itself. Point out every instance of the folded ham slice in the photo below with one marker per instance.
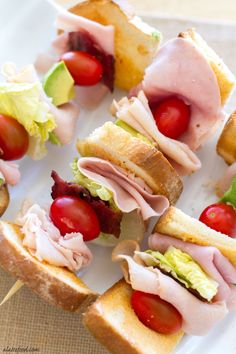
(65, 117)
(89, 97)
(104, 35)
(44, 241)
(127, 193)
(136, 112)
(211, 261)
(10, 172)
(181, 69)
(225, 181)
(44, 62)
(198, 317)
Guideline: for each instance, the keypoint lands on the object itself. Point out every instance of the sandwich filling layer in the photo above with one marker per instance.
(197, 280)
(82, 34)
(122, 202)
(23, 96)
(136, 113)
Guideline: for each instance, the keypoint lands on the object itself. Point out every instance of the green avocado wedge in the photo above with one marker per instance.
(59, 84)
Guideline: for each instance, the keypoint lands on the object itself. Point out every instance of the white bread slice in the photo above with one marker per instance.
(226, 146)
(136, 42)
(56, 285)
(112, 143)
(176, 223)
(226, 79)
(4, 197)
(113, 322)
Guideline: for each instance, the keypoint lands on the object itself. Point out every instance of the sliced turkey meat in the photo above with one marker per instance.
(44, 241)
(136, 113)
(10, 172)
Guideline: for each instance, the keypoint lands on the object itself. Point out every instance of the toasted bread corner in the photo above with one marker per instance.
(226, 145)
(4, 198)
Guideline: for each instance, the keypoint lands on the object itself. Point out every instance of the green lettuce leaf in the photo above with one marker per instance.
(23, 102)
(184, 269)
(54, 139)
(120, 123)
(230, 195)
(95, 189)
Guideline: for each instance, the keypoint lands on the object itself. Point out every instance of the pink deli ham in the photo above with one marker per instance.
(127, 193)
(44, 241)
(10, 172)
(198, 317)
(104, 35)
(180, 69)
(136, 112)
(225, 181)
(211, 261)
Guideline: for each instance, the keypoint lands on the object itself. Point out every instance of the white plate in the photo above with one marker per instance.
(29, 30)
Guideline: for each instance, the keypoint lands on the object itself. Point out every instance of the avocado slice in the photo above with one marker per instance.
(120, 123)
(59, 84)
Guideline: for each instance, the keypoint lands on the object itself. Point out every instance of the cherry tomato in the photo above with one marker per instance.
(156, 313)
(71, 214)
(85, 69)
(172, 117)
(220, 217)
(14, 139)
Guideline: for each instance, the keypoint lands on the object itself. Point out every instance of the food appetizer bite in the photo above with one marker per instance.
(135, 156)
(34, 250)
(184, 283)
(103, 44)
(187, 86)
(28, 119)
(121, 202)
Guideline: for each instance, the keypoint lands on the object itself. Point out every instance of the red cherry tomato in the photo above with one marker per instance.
(14, 139)
(220, 217)
(172, 117)
(71, 214)
(85, 69)
(156, 313)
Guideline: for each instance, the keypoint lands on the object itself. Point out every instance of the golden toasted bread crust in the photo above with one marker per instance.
(56, 285)
(225, 78)
(177, 224)
(135, 46)
(226, 146)
(4, 198)
(114, 144)
(113, 322)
